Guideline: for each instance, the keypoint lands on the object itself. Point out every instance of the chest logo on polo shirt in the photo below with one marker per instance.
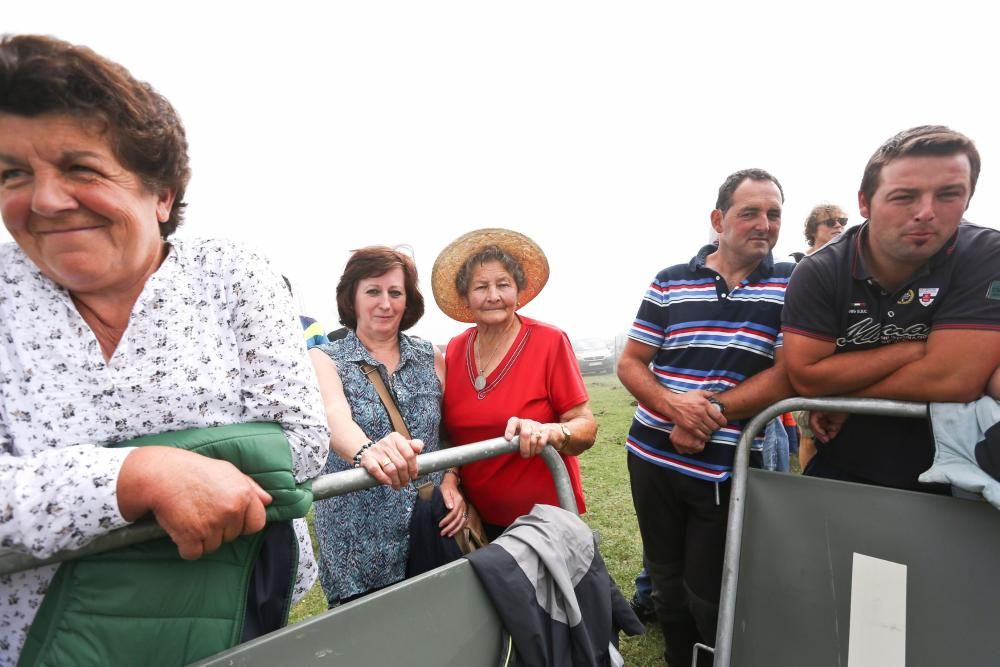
(858, 308)
(870, 332)
(926, 295)
(907, 297)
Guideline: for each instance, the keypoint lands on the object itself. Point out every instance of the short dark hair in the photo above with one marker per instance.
(491, 253)
(371, 262)
(815, 215)
(920, 141)
(40, 75)
(725, 199)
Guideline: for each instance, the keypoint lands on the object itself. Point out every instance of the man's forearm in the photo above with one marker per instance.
(849, 372)
(955, 367)
(926, 380)
(753, 395)
(640, 381)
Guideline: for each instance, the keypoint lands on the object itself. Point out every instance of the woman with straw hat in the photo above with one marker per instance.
(508, 375)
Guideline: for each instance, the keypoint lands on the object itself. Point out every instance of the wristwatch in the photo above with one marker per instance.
(567, 435)
(717, 403)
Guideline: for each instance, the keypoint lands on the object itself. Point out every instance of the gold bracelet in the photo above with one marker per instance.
(567, 435)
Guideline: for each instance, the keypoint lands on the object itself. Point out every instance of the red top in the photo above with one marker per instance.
(538, 379)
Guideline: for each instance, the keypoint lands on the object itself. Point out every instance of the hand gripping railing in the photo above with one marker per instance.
(737, 498)
(324, 487)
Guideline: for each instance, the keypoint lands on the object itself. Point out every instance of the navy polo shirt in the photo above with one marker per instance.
(708, 337)
(833, 297)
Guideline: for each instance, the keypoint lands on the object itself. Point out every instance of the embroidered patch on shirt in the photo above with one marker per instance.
(906, 298)
(993, 291)
(926, 295)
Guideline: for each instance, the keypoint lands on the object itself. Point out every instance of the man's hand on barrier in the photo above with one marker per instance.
(826, 425)
(692, 412)
(686, 442)
(200, 502)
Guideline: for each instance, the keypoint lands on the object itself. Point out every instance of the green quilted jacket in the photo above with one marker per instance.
(143, 604)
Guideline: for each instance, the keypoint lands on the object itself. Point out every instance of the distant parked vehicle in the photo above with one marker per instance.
(594, 355)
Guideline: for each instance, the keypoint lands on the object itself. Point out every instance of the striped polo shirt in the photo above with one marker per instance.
(707, 338)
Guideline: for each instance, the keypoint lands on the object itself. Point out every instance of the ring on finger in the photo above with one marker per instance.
(384, 462)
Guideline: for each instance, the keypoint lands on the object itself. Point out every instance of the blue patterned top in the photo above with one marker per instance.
(364, 536)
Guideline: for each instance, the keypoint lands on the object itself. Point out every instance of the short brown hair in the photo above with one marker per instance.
(725, 199)
(491, 253)
(921, 141)
(40, 75)
(812, 222)
(371, 262)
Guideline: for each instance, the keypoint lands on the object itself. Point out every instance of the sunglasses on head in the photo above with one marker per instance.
(835, 221)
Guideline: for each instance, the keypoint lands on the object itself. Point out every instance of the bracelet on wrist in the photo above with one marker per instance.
(454, 471)
(567, 436)
(364, 448)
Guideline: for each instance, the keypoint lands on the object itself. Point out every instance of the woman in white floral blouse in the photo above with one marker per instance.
(108, 330)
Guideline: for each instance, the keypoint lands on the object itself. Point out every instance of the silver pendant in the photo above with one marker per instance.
(479, 383)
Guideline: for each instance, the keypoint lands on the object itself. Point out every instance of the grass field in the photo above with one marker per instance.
(609, 503)
(609, 510)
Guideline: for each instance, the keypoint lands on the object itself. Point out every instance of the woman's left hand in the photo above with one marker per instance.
(455, 502)
(534, 435)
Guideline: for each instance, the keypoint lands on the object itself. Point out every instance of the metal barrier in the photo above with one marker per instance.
(324, 487)
(738, 492)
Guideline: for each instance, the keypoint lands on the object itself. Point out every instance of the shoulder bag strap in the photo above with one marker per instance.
(371, 372)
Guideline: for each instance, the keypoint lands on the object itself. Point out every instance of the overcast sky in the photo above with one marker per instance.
(601, 130)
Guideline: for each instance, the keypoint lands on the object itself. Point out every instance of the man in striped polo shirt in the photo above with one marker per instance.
(702, 356)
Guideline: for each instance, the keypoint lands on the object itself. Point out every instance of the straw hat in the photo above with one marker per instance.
(528, 254)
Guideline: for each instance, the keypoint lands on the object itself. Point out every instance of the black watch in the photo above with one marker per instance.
(717, 403)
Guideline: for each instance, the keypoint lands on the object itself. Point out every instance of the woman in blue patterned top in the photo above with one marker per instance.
(364, 536)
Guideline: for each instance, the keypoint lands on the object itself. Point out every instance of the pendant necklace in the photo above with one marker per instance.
(480, 382)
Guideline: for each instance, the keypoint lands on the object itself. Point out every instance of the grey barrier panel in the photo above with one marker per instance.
(324, 487)
(737, 498)
(442, 617)
(793, 605)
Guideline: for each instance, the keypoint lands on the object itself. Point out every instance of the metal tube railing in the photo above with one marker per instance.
(340, 483)
(325, 486)
(737, 499)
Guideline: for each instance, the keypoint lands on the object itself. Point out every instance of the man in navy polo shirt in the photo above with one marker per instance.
(905, 306)
(702, 355)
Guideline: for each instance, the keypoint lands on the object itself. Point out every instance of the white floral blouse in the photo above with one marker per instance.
(212, 340)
